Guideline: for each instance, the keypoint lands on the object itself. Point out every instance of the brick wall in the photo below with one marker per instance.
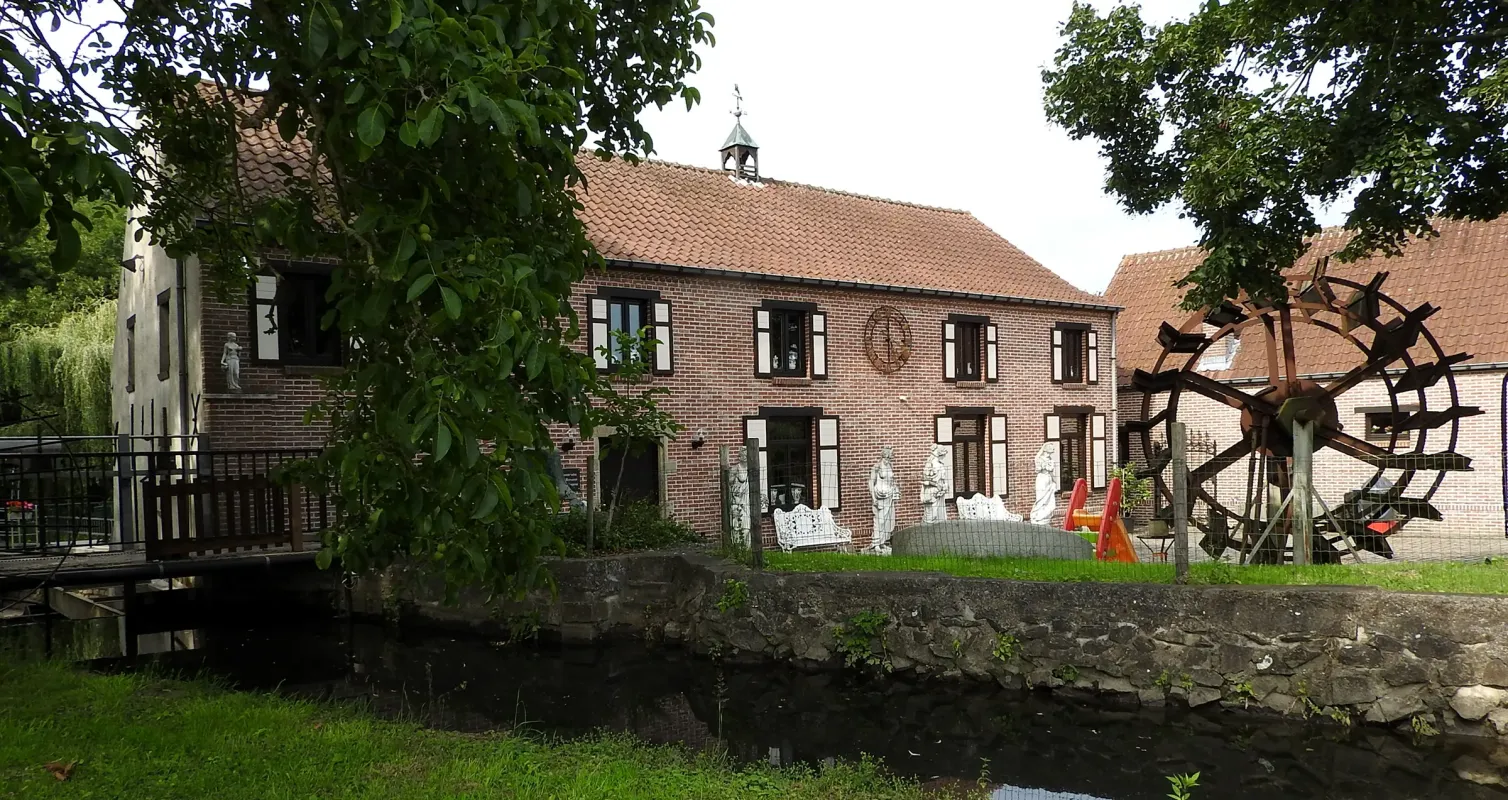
(714, 386)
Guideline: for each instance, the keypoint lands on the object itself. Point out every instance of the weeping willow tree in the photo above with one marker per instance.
(61, 370)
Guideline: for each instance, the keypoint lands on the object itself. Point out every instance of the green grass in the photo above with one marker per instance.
(1474, 578)
(149, 737)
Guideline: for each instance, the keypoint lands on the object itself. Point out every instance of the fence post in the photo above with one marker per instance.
(125, 492)
(296, 517)
(756, 504)
(724, 517)
(591, 501)
(1303, 479)
(1178, 437)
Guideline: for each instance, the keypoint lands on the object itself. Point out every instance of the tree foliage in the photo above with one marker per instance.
(57, 376)
(35, 292)
(431, 148)
(1250, 112)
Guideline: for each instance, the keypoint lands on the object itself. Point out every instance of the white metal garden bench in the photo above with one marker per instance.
(807, 527)
(982, 507)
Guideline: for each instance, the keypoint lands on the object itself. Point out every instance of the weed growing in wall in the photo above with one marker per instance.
(861, 640)
(1006, 648)
(1183, 786)
(735, 596)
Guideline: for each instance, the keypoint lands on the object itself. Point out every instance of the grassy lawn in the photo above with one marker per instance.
(1473, 578)
(135, 736)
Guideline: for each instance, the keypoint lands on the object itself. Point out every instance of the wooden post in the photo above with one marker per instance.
(726, 520)
(296, 517)
(756, 503)
(1179, 444)
(1302, 480)
(591, 501)
(125, 492)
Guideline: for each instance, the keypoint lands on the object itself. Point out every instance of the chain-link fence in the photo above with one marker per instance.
(1248, 517)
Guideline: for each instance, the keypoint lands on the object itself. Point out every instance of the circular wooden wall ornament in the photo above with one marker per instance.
(887, 340)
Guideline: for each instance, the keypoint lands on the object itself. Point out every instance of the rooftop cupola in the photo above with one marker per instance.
(740, 153)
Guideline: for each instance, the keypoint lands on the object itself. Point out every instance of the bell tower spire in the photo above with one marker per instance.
(740, 153)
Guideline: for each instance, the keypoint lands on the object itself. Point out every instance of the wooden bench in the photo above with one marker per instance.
(981, 507)
(807, 527)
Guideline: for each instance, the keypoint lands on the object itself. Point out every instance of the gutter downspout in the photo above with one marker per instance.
(1503, 452)
(1115, 394)
(182, 325)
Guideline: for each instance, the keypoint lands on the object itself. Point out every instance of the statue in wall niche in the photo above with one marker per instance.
(937, 484)
(230, 360)
(1047, 484)
(738, 500)
(884, 491)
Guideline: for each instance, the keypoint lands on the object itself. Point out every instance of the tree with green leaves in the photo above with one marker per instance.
(431, 148)
(1250, 112)
(35, 292)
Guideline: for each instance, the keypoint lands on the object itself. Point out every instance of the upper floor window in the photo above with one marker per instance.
(164, 339)
(1075, 353)
(790, 340)
(131, 353)
(970, 348)
(288, 318)
(640, 315)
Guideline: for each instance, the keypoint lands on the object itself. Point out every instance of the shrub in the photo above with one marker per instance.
(638, 526)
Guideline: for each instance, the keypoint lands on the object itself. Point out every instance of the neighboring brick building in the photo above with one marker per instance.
(780, 310)
(1464, 272)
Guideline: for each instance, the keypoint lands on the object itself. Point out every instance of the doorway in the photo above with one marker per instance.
(638, 461)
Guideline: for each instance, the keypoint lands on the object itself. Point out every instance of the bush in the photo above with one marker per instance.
(638, 526)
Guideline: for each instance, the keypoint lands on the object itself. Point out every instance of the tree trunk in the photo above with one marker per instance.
(612, 505)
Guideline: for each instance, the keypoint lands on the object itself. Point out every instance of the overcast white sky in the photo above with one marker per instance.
(936, 102)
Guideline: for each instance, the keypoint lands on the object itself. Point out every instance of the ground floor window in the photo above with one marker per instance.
(1073, 454)
(789, 451)
(968, 456)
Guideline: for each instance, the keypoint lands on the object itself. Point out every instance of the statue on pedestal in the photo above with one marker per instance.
(1047, 466)
(884, 490)
(738, 500)
(937, 484)
(230, 360)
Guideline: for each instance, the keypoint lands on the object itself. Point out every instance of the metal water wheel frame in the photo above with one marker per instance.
(1395, 332)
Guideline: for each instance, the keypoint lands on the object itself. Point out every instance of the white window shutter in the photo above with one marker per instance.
(598, 338)
(1052, 428)
(819, 346)
(999, 466)
(1100, 466)
(950, 351)
(761, 342)
(664, 352)
(1093, 346)
(945, 435)
(754, 428)
(1057, 357)
(991, 353)
(829, 482)
(264, 321)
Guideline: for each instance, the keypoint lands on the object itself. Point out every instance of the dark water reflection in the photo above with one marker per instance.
(1038, 746)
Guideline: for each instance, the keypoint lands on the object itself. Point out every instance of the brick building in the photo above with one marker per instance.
(822, 323)
(1464, 272)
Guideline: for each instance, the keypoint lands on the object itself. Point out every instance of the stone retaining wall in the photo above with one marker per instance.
(1349, 654)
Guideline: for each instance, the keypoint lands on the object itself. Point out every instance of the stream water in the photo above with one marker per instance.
(1030, 746)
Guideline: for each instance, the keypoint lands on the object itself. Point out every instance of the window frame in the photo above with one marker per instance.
(785, 446)
(131, 353)
(977, 443)
(779, 334)
(645, 306)
(164, 334)
(315, 306)
(968, 346)
(1074, 346)
(1400, 414)
(1078, 365)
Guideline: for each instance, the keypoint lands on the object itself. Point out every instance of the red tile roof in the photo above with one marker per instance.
(1464, 271)
(668, 214)
(662, 213)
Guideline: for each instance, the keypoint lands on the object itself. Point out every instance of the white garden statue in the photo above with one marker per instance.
(884, 491)
(1047, 484)
(738, 500)
(230, 359)
(937, 485)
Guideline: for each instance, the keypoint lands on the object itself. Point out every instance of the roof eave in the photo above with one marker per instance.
(840, 284)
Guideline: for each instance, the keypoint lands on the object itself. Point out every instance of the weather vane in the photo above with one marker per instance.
(738, 102)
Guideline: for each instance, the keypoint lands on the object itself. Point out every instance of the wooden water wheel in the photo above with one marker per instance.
(1347, 324)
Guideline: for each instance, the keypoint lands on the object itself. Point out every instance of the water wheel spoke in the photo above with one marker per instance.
(1358, 449)
(1290, 358)
(1225, 458)
(1224, 393)
(1373, 366)
(1270, 344)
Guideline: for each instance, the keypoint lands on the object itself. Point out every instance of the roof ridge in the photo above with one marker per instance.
(813, 187)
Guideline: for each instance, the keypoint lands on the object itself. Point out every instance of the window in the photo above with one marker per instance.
(1382, 422)
(968, 456)
(164, 338)
(789, 452)
(1072, 460)
(624, 316)
(301, 309)
(131, 353)
(968, 351)
(1221, 354)
(788, 342)
(1075, 353)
